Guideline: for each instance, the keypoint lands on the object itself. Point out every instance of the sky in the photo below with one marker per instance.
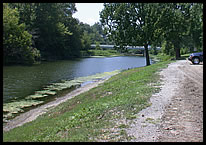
(88, 12)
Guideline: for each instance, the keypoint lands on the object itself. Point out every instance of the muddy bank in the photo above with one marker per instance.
(34, 113)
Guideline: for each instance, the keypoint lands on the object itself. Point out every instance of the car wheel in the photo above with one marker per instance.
(195, 60)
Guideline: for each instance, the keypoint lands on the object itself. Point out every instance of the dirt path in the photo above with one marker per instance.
(176, 113)
(183, 119)
(34, 113)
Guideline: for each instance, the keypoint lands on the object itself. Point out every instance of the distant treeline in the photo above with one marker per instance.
(45, 31)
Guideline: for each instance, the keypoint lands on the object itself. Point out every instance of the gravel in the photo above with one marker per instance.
(176, 113)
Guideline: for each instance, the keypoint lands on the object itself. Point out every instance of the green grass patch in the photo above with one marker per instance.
(164, 57)
(84, 117)
(101, 53)
(185, 56)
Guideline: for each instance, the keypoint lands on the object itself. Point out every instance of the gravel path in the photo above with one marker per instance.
(176, 113)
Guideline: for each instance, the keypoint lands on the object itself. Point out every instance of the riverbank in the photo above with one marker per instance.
(34, 113)
(86, 116)
(106, 53)
(47, 94)
(100, 53)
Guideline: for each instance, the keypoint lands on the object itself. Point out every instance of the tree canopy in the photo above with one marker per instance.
(16, 40)
(152, 24)
(48, 30)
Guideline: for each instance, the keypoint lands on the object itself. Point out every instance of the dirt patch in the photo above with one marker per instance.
(176, 113)
(183, 118)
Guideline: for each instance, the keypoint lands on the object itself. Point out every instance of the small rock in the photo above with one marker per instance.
(168, 128)
(175, 108)
(174, 132)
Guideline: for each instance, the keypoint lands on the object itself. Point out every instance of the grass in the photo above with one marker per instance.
(185, 56)
(101, 53)
(85, 117)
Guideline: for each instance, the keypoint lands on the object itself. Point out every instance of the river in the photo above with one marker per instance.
(21, 81)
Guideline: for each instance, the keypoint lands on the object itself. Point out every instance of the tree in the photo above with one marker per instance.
(175, 23)
(16, 40)
(131, 24)
(26, 13)
(73, 42)
(98, 33)
(94, 33)
(196, 25)
(52, 24)
(86, 41)
(97, 46)
(53, 29)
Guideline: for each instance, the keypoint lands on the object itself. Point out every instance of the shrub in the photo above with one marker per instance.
(16, 40)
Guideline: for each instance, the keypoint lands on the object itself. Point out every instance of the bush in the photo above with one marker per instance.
(98, 46)
(164, 57)
(16, 41)
(168, 48)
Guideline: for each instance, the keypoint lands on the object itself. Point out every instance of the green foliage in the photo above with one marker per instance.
(57, 35)
(53, 31)
(73, 43)
(154, 50)
(180, 26)
(131, 24)
(86, 41)
(94, 33)
(97, 46)
(195, 27)
(167, 48)
(50, 32)
(152, 23)
(164, 57)
(16, 41)
(103, 53)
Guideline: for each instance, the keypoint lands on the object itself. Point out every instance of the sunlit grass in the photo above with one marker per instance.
(85, 117)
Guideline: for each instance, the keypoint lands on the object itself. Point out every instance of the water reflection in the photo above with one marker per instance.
(21, 81)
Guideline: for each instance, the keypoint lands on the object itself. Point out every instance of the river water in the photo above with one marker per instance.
(21, 81)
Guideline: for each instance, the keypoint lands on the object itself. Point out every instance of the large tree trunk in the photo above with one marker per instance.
(177, 53)
(147, 54)
(177, 50)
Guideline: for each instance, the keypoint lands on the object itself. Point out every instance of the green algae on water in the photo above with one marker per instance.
(12, 108)
(9, 109)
